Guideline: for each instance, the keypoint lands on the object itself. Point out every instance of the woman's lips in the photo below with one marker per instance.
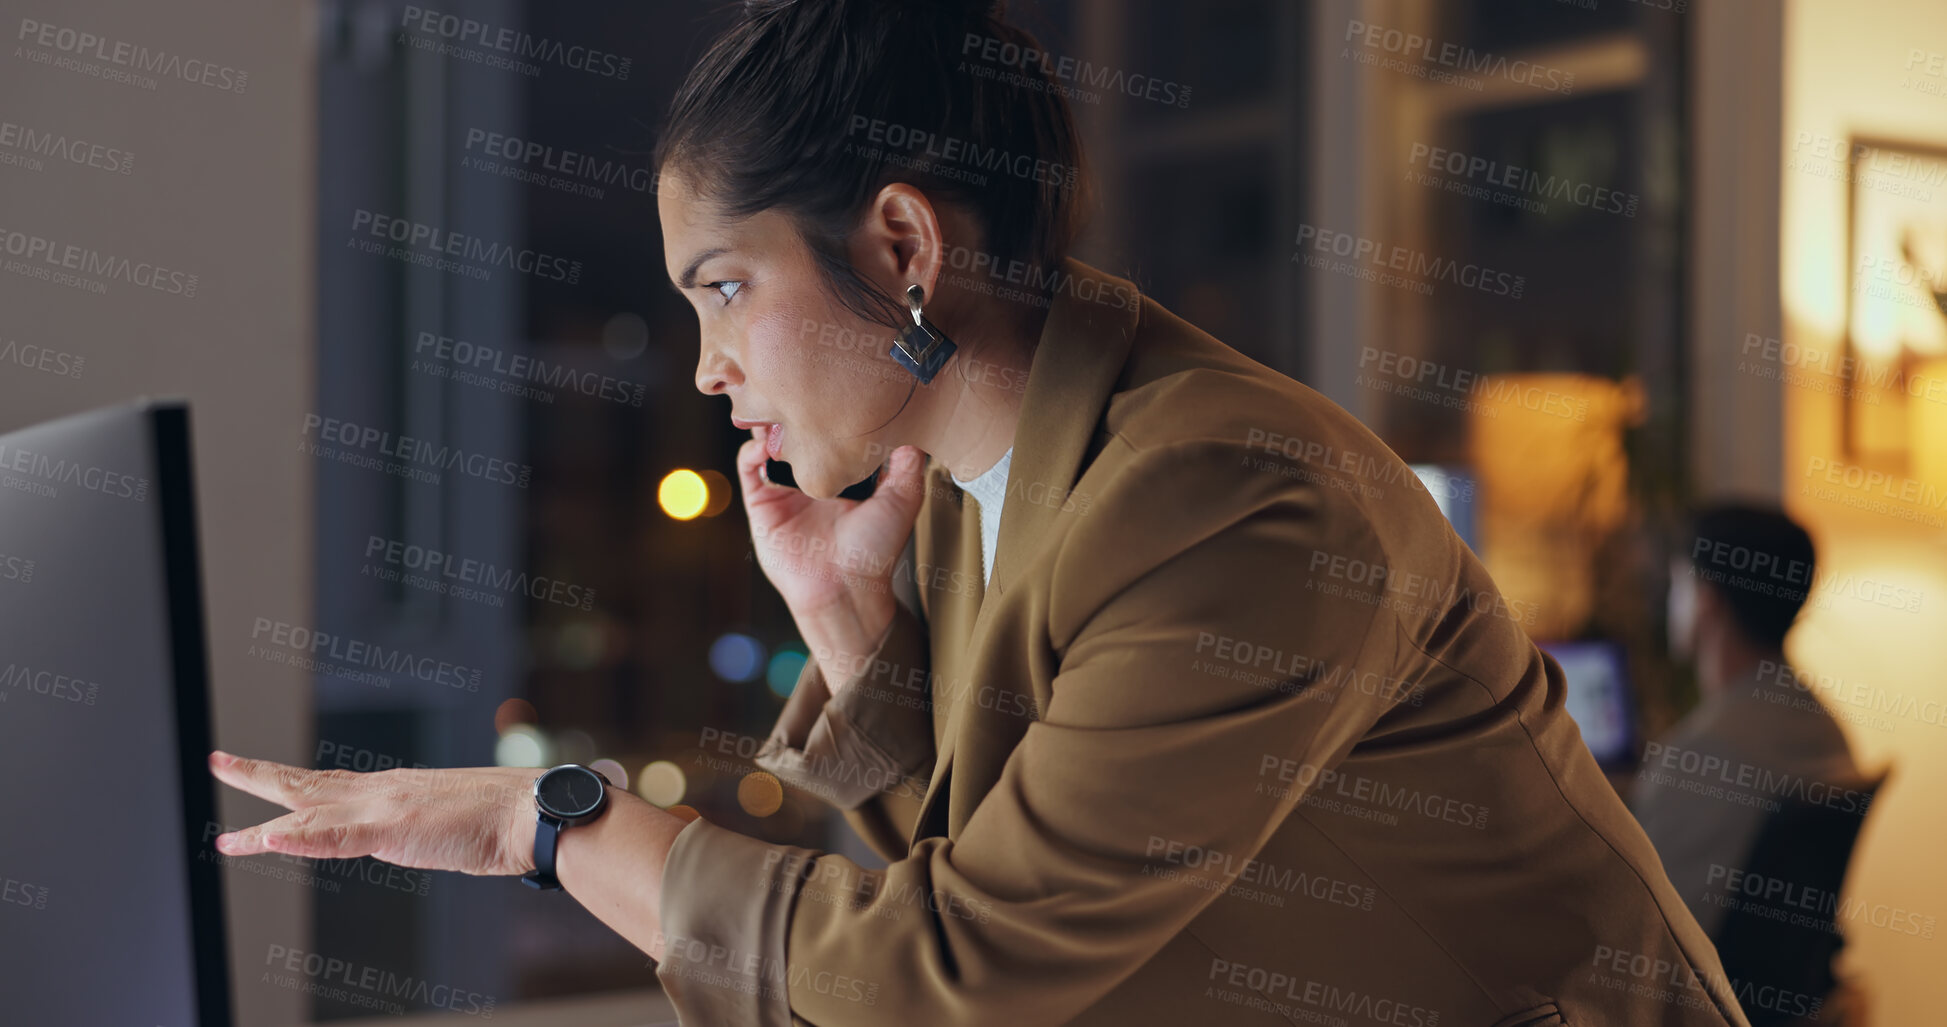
(773, 432)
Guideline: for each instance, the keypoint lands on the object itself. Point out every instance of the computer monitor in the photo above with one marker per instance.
(111, 912)
(1599, 698)
(1454, 490)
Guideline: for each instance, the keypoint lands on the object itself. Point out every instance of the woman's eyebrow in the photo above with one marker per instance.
(688, 279)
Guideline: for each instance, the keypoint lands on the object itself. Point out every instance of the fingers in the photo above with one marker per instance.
(320, 832)
(902, 484)
(288, 786)
(750, 467)
(475, 820)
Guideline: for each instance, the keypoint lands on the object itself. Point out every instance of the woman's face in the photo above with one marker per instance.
(778, 344)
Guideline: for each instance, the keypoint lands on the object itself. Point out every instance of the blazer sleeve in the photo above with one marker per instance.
(1061, 883)
(868, 752)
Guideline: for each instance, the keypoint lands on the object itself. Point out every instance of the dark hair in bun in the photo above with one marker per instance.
(810, 107)
(995, 9)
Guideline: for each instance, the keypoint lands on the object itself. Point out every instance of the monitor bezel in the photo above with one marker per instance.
(190, 679)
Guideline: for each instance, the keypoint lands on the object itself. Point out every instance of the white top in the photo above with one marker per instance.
(989, 491)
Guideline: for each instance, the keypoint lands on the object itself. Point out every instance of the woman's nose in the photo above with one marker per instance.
(715, 371)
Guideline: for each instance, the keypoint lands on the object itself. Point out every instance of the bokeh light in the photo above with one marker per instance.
(683, 494)
(511, 712)
(523, 745)
(662, 783)
(580, 644)
(625, 335)
(720, 493)
(760, 793)
(613, 770)
(784, 670)
(736, 657)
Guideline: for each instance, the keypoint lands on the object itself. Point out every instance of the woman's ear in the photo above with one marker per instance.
(900, 240)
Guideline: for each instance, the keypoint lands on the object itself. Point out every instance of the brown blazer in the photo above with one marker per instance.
(1239, 733)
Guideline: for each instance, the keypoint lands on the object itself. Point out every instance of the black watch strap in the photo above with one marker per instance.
(546, 833)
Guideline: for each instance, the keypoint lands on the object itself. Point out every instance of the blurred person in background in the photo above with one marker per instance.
(1758, 739)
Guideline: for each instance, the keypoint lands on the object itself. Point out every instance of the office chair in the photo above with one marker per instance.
(1804, 845)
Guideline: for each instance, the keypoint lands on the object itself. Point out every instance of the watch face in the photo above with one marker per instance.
(570, 791)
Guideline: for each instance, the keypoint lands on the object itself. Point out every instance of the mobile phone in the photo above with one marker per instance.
(777, 472)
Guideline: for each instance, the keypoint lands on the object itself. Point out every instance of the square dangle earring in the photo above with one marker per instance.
(922, 348)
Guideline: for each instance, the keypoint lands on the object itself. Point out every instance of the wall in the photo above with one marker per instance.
(219, 187)
(1878, 633)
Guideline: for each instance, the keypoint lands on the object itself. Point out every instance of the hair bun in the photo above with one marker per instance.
(993, 10)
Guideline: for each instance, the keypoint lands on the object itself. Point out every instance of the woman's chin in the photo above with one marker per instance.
(816, 479)
(811, 480)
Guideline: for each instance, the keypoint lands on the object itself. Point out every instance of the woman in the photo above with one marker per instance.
(1197, 712)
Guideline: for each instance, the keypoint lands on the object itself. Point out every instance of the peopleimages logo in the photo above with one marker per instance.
(936, 147)
(1227, 866)
(48, 471)
(1283, 993)
(1858, 694)
(1413, 377)
(1411, 46)
(326, 875)
(417, 235)
(348, 652)
(446, 573)
(40, 358)
(1718, 777)
(90, 47)
(518, 374)
(49, 683)
(1373, 582)
(330, 977)
(21, 893)
(1519, 180)
(84, 268)
(1326, 782)
(431, 457)
(1803, 905)
(29, 143)
(1073, 70)
(1354, 464)
(563, 170)
(1036, 280)
(14, 568)
(466, 32)
(1371, 257)
(1853, 368)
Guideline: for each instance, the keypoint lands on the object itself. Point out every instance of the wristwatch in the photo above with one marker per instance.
(565, 796)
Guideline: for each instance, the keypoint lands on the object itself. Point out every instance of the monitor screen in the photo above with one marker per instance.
(107, 915)
(1599, 698)
(1453, 490)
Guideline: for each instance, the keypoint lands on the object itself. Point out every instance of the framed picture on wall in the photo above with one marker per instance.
(1896, 300)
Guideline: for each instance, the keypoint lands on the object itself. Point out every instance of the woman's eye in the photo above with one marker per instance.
(728, 290)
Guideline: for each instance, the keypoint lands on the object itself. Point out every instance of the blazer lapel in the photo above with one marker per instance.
(951, 533)
(1079, 358)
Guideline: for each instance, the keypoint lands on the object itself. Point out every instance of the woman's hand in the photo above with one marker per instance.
(477, 820)
(824, 553)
